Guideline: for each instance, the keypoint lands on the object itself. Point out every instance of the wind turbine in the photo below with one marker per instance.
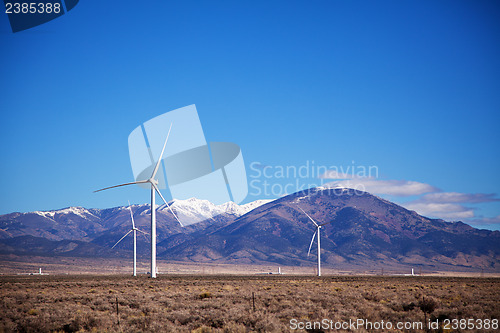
(134, 229)
(153, 182)
(318, 228)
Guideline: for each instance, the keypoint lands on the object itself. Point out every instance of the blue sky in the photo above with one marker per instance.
(411, 87)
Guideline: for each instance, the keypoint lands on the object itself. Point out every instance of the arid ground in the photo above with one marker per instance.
(242, 303)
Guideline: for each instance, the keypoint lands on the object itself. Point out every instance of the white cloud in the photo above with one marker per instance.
(445, 211)
(432, 202)
(490, 222)
(403, 188)
(448, 206)
(454, 197)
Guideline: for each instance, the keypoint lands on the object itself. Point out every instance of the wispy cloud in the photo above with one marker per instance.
(446, 211)
(431, 201)
(490, 222)
(402, 188)
(454, 197)
(449, 205)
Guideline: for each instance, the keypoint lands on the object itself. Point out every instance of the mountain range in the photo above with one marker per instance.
(362, 230)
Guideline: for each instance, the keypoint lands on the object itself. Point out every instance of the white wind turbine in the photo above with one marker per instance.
(153, 182)
(134, 229)
(318, 228)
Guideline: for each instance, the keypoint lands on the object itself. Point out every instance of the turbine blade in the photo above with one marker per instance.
(165, 201)
(145, 233)
(312, 240)
(122, 238)
(161, 155)
(158, 191)
(310, 218)
(131, 215)
(171, 211)
(132, 183)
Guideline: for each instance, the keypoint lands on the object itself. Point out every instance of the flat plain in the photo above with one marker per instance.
(243, 303)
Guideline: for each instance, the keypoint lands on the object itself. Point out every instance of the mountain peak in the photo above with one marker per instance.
(79, 211)
(193, 210)
(360, 230)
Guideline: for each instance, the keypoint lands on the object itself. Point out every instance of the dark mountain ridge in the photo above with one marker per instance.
(363, 231)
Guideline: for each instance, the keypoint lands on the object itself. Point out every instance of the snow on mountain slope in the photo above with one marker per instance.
(79, 211)
(78, 223)
(252, 205)
(194, 210)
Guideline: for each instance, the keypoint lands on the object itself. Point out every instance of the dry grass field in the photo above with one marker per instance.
(224, 303)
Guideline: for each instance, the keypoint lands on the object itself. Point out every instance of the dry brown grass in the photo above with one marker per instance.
(224, 303)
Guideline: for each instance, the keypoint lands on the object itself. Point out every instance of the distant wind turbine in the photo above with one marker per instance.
(134, 229)
(318, 228)
(153, 182)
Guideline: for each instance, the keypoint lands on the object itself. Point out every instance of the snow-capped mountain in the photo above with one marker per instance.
(92, 232)
(79, 211)
(78, 223)
(194, 210)
(361, 230)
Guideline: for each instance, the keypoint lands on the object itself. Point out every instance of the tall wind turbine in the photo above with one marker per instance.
(153, 182)
(318, 228)
(134, 229)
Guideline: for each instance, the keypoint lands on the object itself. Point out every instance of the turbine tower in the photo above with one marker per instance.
(134, 229)
(318, 228)
(154, 188)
